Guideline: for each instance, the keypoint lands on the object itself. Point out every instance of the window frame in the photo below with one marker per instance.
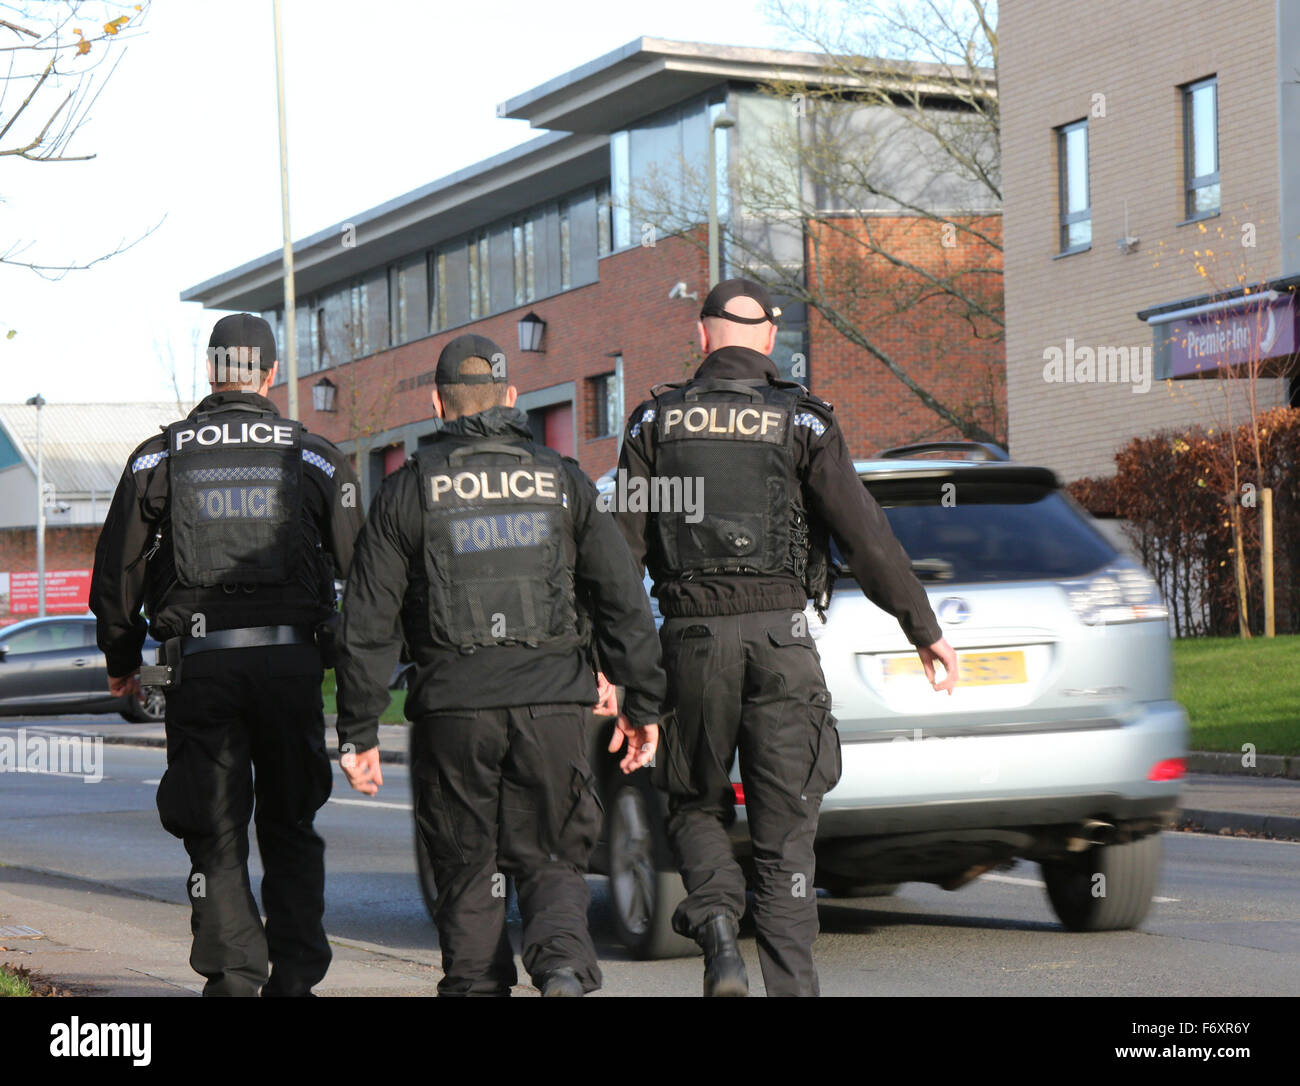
(1065, 217)
(1193, 183)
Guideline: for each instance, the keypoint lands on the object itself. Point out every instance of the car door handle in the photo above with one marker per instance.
(80, 661)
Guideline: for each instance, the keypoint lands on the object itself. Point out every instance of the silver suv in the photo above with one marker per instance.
(1061, 743)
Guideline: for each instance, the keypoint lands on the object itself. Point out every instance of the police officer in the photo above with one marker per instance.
(479, 546)
(229, 528)
(732, 575)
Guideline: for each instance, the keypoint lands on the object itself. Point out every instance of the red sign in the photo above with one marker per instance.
(67, 591)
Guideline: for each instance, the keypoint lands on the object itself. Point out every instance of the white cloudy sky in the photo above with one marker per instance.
(383, 96)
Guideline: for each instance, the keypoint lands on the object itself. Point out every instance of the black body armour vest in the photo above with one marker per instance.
(236, 498)
(498, 545)
(736, 439)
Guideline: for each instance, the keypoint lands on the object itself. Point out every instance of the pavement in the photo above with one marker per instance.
(95, 939)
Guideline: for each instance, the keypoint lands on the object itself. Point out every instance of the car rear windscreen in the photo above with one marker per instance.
(992, 532)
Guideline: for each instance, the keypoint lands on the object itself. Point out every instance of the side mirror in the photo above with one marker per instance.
(4, 651)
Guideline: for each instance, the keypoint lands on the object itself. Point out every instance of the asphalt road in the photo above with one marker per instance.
(1227, 921)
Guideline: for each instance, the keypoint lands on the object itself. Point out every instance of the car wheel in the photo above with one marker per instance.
(642, 893)
(149, 707)
(1119, 899)
(873, 889)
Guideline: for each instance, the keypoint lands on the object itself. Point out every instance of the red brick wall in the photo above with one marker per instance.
(930, 339)
(629, 311)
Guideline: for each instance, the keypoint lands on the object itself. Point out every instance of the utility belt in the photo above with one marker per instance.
(166, 672)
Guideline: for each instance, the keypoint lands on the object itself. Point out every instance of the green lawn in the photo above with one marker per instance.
(12, 984)
(1238, 692)
(392, 715)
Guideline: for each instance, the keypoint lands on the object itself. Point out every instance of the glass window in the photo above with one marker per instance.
(1076, 211)
(396, 308)
(566, 250)
(408, 294)
(359, 319)
(437, 291)
(606, 405)
(1201, 147)
(620, 179)
(45, 637)
(603, 221)
(992, 533)
(480, 293)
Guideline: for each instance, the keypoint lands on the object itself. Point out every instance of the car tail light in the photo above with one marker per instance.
(1122, 592)
(739, 789)
(1170, 769)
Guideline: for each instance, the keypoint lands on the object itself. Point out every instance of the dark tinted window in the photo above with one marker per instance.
(45, 637)
(992, 533)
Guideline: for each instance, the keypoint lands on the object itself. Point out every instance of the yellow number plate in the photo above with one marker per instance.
(973, 669)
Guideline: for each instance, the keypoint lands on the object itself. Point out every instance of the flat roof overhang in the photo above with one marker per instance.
(649, 74)
(539, 170)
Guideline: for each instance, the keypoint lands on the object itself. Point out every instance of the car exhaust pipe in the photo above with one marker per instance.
(1092, 832)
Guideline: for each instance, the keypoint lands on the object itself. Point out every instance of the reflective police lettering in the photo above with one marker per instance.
(237, 502)
(746, 421)
(256, 433)
(494, 485)
(473, 535)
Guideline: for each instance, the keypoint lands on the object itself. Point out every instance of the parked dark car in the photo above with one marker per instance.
(52, 665)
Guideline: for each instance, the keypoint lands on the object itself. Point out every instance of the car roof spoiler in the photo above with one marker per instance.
(974, 450)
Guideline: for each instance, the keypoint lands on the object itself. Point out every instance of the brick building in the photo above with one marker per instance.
(1147, 187)
(548, 229)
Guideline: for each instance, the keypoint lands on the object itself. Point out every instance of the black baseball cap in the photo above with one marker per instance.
(715, 305)
(244, 330)
(470, 346)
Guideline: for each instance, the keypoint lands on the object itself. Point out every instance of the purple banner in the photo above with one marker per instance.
(1250, 332)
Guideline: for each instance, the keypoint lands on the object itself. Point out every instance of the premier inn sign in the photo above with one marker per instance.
(1253, 331)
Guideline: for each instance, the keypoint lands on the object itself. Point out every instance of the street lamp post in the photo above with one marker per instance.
(722, 120)
(290, 294)
(38, 401)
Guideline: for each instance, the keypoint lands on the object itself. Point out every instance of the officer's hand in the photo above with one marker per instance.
(126, 684)
(641, 743)
(606, 696)
(944, 654)
(362, 770)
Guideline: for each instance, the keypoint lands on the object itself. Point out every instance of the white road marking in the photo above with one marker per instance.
(151, 781)
(372, 803)
(1039, 883)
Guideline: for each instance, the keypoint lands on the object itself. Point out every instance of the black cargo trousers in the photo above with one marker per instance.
(247, 725)
(508, 793)
(753, 682)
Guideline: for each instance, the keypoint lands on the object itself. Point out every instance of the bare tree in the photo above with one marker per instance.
(1239, 358)
(870, 191)
(56, 56)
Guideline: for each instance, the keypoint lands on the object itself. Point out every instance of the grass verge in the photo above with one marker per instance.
(1237, 692)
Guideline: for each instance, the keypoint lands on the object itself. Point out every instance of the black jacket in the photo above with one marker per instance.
(133, 559)
(386, 600)
(832, 491)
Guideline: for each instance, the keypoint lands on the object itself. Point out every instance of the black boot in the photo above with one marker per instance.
(562, 982)
(724, 968)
